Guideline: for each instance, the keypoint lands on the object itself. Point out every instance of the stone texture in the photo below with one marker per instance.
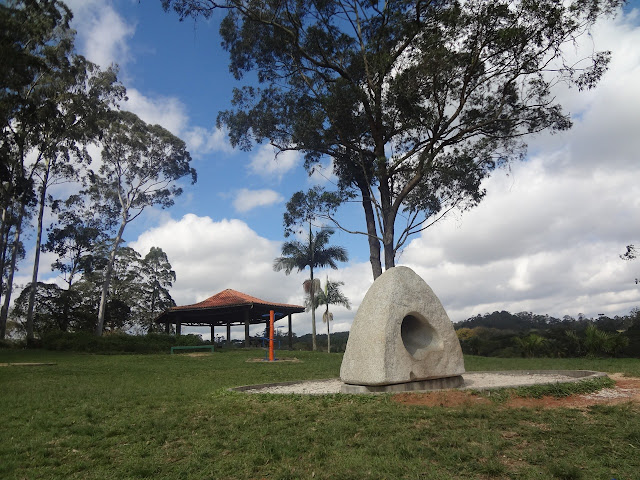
(401, 333)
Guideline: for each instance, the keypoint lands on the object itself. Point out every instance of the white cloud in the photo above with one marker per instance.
(102, 32)
(267, 164)
(246, 200)
(169, 112)
(201, 141)
(210, 256)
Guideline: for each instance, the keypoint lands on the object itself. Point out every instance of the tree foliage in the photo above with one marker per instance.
(415, 101)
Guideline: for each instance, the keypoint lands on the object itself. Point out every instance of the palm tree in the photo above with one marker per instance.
(330, 295)
(314, 253)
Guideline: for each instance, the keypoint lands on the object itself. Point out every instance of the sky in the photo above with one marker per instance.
(546, 238)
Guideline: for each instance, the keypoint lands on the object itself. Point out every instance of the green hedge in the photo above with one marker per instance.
(116, 343)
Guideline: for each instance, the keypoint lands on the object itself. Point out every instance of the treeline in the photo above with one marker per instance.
(504, 334)
(55, 108)
(338, 342)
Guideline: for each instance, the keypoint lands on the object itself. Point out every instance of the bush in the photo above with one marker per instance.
(7, 344)
(117, 342)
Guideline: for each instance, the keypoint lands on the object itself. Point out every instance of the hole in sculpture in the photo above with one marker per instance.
(417, 335)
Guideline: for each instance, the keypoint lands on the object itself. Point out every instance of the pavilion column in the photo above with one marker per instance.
(228, 334)
(166, 328)
(246, 329)
(178, 329)
(290, 335)
(213, 333)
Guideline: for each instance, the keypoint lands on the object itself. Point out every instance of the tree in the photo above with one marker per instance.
(81, 96)
(313, 254)
(34, 40)
(415, 101)
(74, 238)
(49, 306)
(331, 295)
(141, 164)
(158, 278)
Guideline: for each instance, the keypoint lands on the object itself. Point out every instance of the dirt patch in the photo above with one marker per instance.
(445, 398)
(627, 389)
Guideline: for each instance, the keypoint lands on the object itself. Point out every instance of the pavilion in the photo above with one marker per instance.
(229, 308)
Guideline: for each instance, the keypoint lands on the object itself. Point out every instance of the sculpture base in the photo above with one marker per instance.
(420, 385)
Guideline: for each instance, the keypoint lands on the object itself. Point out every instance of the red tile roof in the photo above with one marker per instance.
(232, 298)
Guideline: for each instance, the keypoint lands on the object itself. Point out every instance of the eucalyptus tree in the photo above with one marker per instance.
(75, 239)
(141, 165)
(34, 42)
(415, 101)
(158, 277)
(314, 253)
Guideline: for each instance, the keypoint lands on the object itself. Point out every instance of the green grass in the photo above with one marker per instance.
(172, 417)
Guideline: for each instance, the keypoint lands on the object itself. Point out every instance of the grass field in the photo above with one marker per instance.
(171, 417)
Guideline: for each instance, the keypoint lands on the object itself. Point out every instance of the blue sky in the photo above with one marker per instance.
(546, 238)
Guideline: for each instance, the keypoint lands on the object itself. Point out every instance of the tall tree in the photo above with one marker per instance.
(141, 164)
(314, 253)
(75, 239)
(158, 278)
(416, 101)
(34, 40)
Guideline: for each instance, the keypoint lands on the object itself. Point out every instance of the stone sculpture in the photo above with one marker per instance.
(401, 339)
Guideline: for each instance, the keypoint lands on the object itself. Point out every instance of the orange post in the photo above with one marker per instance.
(271, 321)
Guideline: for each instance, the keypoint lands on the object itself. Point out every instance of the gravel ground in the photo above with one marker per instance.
(478, 381)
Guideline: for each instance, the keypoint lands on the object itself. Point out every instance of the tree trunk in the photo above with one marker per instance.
(36, 260)
(313, 314)
(153, 309)
(387, 241)
(388, 222)
(4, 312)
(328, 329)
(312, 248)
(4, 232)
(107, 277)
(374, 243)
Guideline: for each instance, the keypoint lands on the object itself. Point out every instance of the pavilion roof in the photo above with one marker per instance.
(227, 306)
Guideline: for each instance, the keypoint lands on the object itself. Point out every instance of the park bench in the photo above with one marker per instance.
(191, 347)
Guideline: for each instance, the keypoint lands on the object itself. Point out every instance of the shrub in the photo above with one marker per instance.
(117, 342)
